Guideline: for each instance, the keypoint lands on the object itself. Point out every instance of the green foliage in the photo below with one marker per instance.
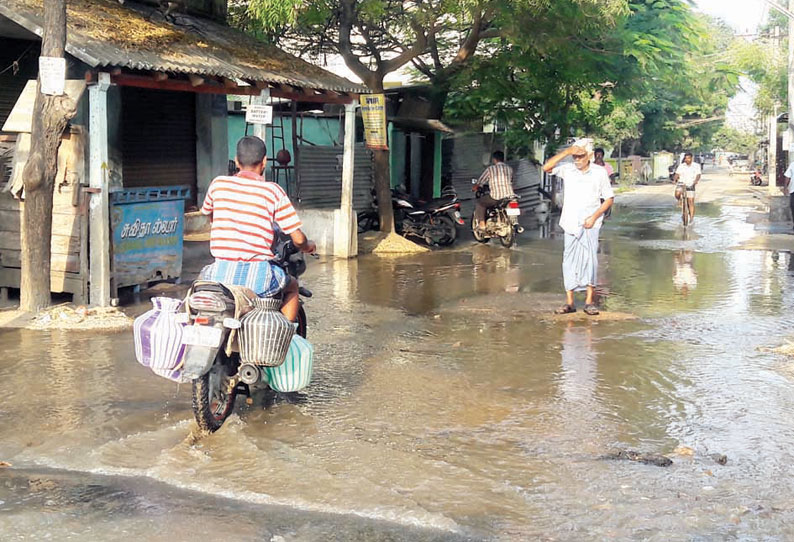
(641, 76)
(730, 139)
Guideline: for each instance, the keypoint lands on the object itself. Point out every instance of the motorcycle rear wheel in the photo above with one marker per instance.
(479, 237)
(450, 231)
(213, 402)
(507, 240)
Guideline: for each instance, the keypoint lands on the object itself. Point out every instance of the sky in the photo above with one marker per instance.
(743, 15)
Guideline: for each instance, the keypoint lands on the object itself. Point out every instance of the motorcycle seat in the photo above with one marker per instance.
(434, 203)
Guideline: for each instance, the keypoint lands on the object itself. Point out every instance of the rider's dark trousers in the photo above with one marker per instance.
(481, 206)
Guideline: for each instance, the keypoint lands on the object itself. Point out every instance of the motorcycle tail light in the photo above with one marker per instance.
(513, 205)
(207, 301)
(202, 320)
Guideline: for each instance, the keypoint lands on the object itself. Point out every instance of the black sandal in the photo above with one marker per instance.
(565, 309)
(591, 310)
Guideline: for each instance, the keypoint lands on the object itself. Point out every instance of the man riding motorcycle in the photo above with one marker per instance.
(244, 210)
(499, 177)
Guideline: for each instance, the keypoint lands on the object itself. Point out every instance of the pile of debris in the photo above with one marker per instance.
(70, 316)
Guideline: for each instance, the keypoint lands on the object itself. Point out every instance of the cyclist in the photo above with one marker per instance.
(688, 174)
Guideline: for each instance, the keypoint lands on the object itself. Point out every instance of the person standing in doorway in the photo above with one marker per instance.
(585, 186)
(788, 188)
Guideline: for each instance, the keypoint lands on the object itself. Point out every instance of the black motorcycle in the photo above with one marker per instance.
(211, 361)
(501, 220)
(432, 221)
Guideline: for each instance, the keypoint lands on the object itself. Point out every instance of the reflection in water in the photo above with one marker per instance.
(685, 278)
(579, 366)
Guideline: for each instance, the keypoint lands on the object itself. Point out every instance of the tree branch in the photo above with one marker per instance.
(347, 17)
(419, 47)
(422, 67)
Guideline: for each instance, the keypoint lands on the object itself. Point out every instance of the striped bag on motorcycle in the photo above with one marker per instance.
(265, 333)
(296, 371)
(158, 338)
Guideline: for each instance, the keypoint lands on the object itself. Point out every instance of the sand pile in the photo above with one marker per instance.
(397, 244)
(71, 316)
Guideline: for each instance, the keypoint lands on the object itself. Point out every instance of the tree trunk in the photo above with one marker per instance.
(382, 173)
(50, 117)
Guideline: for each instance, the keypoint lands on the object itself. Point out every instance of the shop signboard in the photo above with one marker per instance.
(147, 241)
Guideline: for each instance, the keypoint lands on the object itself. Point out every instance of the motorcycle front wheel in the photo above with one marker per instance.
(213, 401)
(479, 237)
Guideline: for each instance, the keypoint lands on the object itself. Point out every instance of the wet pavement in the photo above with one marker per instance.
(446, 404)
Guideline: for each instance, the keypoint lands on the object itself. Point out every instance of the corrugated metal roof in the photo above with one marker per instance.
(104, 33)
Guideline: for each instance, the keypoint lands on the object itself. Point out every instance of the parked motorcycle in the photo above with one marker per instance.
(431, 221)
(756, 179)
(501, 220)
(212, 359)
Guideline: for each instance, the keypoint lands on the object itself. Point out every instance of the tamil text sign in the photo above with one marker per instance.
(147, 241)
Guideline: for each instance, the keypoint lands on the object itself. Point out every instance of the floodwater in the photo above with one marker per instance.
(445, 405)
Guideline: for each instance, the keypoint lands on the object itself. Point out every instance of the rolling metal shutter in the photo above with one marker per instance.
(321, 177)
(158, 141)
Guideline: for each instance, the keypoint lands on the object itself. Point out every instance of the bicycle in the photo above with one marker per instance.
(680, 188)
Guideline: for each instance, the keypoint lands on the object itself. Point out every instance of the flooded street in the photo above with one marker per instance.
(447, 403)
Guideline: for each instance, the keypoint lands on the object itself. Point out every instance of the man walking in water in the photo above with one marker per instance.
(585, 185)
(688, 174)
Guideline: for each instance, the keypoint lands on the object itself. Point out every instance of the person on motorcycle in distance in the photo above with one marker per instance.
(244, 210)
(500, 178)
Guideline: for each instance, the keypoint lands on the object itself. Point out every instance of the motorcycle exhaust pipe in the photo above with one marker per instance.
(249, 374)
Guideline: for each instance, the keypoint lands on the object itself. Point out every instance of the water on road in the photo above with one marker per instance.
(446, 404)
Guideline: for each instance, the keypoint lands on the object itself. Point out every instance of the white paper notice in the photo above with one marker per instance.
(259, 114)
(52, 72)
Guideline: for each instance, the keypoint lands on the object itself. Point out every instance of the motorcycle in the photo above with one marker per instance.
(501, 220)
(432, 221)
(212, 358)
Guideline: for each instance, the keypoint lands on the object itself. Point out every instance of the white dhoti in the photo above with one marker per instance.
(580, 259)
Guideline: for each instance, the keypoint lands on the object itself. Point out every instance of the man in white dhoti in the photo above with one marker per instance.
(585, 185)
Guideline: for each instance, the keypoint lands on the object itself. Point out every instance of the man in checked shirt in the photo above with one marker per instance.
(499, 176)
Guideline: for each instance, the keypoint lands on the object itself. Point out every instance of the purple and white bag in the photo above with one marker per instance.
(158, 338)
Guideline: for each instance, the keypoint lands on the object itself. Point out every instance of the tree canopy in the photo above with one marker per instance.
(649, 73)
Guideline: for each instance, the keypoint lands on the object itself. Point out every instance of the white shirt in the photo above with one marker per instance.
(582, 194)
(688, 174)
(789, 173)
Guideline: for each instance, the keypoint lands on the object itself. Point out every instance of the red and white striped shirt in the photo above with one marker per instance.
(244, 209)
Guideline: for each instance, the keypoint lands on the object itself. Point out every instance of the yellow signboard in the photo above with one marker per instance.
(373, 112)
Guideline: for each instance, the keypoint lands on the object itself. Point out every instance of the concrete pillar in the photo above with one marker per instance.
(345, 228)
(99, 204)
(259, 130)
(212, 140)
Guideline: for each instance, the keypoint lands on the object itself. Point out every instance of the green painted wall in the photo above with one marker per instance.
(437, 166)
(397, 147)
(320, 131)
